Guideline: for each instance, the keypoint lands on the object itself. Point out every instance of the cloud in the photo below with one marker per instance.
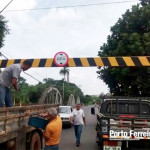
(15, 4)
(78, 31)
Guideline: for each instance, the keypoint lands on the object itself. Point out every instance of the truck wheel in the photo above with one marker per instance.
(35, 142)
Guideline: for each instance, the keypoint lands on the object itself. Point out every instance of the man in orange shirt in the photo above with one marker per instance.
(53, 130)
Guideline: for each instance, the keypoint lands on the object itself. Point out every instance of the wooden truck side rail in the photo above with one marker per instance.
(15, 119)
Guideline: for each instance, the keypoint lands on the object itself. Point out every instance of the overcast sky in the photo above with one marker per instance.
(78, 31)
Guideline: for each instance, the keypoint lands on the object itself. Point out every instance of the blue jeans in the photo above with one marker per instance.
(78, 131)
(55, 147)
(5, 97)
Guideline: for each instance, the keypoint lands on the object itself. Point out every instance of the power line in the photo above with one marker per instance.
(32, 77)
(38, 75)
(72, 6)
(6, 54)
(23, 71)
(6, 6)
(3, 55)
(12, 57)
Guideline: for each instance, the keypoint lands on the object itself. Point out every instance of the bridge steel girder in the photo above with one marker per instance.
(119, 61)
(51, 95)
(71, 100)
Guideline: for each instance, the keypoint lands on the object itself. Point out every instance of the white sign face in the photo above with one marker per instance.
(61, 59)
(112, 148)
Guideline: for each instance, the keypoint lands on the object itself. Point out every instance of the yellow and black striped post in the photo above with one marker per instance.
(131, 61)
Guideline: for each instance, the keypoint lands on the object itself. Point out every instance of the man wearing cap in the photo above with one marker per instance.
(53, 130)
(10, 77)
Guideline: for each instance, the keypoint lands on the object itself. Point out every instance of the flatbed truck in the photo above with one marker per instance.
(15, 134)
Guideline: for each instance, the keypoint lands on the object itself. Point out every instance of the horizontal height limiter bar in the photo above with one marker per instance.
(131, 61)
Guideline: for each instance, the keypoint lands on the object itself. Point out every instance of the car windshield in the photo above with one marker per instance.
(65, 110)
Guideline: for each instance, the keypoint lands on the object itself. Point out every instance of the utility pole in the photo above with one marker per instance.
(63, 88)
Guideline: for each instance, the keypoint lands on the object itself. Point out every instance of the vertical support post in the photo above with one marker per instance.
(20, 102)
(140, 107)
(21, 139)
(127, 144)
(111, 107)
(19, 121)
(5, 124)
(63, 89)
(117, 106)
(14, 99)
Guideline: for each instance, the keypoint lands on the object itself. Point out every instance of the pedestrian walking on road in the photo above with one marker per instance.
(53, 130)
(10, 77)
(78, 120)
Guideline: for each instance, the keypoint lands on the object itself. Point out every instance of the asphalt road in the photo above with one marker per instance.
(88, 137)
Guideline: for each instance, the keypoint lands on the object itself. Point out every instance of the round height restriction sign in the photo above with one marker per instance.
(61, 59)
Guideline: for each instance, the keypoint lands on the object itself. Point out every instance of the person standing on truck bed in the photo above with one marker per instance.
(53, 130)
(10, 77)
(78, 119)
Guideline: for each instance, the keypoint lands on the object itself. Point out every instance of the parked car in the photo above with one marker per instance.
(65, 114)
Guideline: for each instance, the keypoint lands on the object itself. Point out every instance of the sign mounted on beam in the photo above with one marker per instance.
(61, 59)
(86, 62)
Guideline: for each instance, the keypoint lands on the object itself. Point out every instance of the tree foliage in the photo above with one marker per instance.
(130, 37)
(3, 30)
(145, 2)
(64, 71)
(31, 93)
(90, 99)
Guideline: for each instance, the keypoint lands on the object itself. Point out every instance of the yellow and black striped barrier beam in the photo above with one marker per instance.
(86, 62)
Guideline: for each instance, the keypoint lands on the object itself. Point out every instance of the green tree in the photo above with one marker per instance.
(70, 88)
(23, 93)
(3, 30)
(145, 2)
(35, 92)
(31, 93)
(64, 72)
(130, 37)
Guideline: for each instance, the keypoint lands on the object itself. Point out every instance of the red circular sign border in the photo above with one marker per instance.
(63, 64)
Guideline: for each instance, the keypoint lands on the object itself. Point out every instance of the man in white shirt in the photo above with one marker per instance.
(78, 120)
(10, 77)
